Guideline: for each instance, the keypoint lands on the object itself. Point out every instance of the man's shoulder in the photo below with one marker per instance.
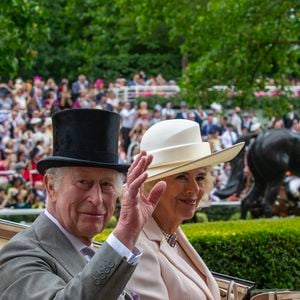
(28, 237)
(20, 244)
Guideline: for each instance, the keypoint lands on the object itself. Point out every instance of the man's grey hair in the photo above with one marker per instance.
(55, 175)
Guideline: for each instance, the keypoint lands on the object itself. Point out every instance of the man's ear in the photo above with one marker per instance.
(49, 186)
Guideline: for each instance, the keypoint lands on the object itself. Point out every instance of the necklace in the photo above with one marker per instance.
(171, 238)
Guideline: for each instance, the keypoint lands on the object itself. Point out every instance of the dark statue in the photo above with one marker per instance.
(270, 156)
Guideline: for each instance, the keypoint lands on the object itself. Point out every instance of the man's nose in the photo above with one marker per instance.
(95, 195)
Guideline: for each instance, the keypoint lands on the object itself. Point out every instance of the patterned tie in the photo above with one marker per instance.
(129, 295)
(87, 252)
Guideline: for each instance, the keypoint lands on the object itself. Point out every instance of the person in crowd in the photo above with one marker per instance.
(77, 86)
(208, 126)
(229, 137)
(112, 100)
(64, 95)
(223, 124)
(143, 115)
(290, 117)
(135, 135)
(99, 90)
(184, 113)
(201, 113)
(30, 173)
(296, 127)
(214, 141)
(170, 267)
(136, 80)
(51, 86)
(20, 97)
(247, 122)
(31, 106)
(237, 120)
(128, 114)
(83, 100)
(38, 90)
(156, 117)
(168, 112)
(54, 258)
(19, 169)
(6, 101)
(277, 123)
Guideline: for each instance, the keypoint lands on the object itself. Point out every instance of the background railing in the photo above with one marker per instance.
(130, 93)
(36, 211)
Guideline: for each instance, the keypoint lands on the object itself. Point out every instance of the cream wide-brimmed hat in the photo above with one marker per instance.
(176, 146)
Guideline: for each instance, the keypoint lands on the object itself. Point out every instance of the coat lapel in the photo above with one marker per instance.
(197, 261)
(153, 232)
(53, 241)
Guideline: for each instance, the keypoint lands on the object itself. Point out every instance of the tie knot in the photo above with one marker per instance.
(87, 251)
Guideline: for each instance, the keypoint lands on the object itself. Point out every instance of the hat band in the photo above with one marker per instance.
(184, 153)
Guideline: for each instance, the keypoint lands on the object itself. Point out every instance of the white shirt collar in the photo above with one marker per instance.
(78, 245)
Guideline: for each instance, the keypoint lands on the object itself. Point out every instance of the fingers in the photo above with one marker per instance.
(156, 193)
(135, 185)
(138, 167)
(135, 162)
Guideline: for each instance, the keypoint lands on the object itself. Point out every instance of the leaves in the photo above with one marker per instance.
(20, 35)
(237, 43)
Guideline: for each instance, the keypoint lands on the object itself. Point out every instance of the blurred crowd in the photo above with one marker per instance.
(25, 126)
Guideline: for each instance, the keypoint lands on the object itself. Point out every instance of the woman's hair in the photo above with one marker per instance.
(209, 183)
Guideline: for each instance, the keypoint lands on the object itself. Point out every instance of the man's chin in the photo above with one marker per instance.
(90, 230)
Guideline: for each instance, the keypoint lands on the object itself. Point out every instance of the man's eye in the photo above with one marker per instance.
(107, 187)
(84, 184)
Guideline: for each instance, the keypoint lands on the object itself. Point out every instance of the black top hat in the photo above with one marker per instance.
(86, 138)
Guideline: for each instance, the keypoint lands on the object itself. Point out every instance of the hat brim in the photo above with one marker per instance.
(60, 161)
(215, 158)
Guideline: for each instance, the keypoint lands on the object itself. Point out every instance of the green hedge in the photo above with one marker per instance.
(264, 251)
(221, 213)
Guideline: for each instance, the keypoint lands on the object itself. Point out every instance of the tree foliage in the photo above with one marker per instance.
(21, 30)
(237, 43)
(95, 38)
(228, 42)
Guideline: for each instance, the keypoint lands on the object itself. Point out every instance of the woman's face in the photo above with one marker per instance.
(182, 196)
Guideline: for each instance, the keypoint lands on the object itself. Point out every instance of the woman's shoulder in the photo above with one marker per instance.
(149, 240)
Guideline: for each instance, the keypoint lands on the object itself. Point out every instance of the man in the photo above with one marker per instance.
(184, 113)
(209, 126)
(236, 120)
(229, 137)
(128, 115)
(53, 259)
(79, 85)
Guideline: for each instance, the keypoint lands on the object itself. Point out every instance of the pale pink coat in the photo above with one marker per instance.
(170, 273)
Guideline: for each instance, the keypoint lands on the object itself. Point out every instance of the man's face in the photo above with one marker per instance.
(84, 200)
(82, 78)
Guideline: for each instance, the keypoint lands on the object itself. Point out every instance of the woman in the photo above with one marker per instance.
(170, 268)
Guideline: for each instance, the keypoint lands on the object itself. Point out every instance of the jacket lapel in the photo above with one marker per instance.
(53, 241)
(153, 232)
(197, 261)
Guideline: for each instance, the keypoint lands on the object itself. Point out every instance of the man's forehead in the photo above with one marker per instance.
(91, 171)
